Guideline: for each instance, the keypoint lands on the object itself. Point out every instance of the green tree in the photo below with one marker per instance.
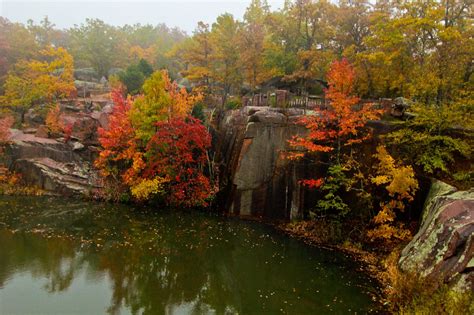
(145, 68)
(312, 29)
(226, 70)
(437, 136)
(134, 76)
(98, 45)
(46, 34)
(252, 37)
(195, 55)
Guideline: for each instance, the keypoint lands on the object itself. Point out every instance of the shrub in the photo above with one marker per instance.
(135, 75)
(409, 293)
(198, 111)
(53, 120)
(11, 183)
(233, 104)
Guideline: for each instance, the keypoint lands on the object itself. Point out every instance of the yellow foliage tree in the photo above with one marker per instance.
(416, 49)
(162, 100)
(38, 82)
(136, 53)
(252, 44)
(195, 53)
(401, 185)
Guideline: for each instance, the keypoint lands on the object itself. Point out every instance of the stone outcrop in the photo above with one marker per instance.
(54, 166)
(256, 177)
(84, 127)
(443, 248)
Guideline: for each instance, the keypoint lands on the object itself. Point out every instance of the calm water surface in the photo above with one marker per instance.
(60, 256)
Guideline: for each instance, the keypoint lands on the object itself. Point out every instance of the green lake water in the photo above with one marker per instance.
(60, 256)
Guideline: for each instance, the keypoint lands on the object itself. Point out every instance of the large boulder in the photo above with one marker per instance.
(443, 248)
(268, 117)
(399, 106)
(85, 129)
(85, 125)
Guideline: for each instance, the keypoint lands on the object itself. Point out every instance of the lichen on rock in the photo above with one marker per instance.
(443, 248)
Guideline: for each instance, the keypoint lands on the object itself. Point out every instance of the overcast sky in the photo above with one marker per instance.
(181, 13)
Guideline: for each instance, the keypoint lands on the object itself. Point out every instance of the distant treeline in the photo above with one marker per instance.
(93, 44)
(417, 49)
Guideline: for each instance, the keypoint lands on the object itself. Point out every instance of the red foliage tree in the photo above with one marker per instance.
(118, 140)
(178, 152)
(169, 165)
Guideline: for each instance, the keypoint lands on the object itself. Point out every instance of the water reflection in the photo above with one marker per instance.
(119, 260)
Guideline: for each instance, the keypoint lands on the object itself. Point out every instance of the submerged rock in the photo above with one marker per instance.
(443, 248)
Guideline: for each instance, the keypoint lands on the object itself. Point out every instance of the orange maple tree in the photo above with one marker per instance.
(340, 125)
(118, 143)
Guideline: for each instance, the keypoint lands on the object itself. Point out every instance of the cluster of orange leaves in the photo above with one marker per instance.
(53, 120)
(137, 52)
(181, 101)
(341, 124)
(342, 121)
(7, 178)
(118, 141)
(56, 125)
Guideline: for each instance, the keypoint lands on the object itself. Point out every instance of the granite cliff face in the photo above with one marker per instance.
(443, 248)
(256, 177)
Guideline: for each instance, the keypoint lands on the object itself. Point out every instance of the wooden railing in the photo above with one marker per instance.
(284, 99)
